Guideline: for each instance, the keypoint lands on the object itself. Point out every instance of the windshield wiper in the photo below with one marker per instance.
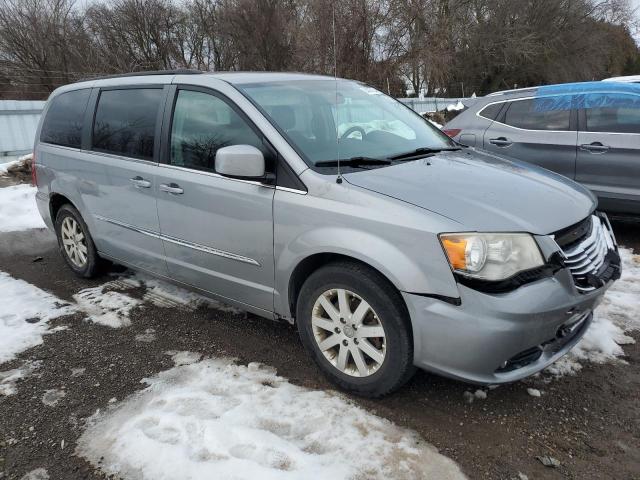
(354, 162)
(422, 151)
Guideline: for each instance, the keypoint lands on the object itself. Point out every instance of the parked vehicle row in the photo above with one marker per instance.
(328, 204)
(589, 132)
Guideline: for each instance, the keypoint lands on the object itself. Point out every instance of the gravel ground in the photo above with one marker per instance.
(589, 422)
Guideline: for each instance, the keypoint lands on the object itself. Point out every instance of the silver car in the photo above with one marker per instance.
(589, 132)
(327, 204)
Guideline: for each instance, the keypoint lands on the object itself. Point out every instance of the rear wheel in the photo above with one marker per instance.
(354, 324)
(75, 242)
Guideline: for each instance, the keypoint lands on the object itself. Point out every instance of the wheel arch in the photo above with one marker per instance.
(56, 201)
(315, 261)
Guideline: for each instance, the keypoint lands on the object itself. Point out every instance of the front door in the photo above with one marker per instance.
(217, 231)
(609, 152)
(536, 135)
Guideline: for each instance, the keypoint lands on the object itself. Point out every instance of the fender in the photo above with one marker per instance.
(398, 266)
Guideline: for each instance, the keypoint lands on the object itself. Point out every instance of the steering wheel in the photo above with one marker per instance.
(353, 129)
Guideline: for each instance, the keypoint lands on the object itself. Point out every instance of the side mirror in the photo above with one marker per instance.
(240, 161)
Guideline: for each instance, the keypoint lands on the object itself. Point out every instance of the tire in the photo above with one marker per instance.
(391, 364)
(85, 262)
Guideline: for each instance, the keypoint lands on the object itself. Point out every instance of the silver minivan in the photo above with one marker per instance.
(327, 204)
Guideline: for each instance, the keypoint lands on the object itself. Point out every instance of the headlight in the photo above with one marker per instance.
(491, 256)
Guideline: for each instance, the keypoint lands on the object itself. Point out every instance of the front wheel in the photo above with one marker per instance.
(355, 326)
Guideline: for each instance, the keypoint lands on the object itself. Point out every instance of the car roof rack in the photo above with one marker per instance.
(513, 90)
(179, 71)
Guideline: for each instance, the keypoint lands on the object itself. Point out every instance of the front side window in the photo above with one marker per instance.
(537, 115)
(125, 122)
(617, 115)
(202, 124)
(326, 120)
(63, 122)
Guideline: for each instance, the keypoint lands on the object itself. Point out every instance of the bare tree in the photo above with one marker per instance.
(434, 45)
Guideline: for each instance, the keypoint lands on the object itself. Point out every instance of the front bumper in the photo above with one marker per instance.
(499, 338)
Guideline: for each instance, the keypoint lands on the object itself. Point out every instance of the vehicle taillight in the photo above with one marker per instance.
(452, 132)
(34, 176)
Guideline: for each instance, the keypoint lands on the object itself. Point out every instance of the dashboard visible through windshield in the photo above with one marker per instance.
(327, 120)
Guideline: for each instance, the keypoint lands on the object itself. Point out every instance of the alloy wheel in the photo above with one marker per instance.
(73, 242)
(348, 332)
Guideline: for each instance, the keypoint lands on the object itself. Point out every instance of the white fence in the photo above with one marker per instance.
(18, 124)
(429, 104)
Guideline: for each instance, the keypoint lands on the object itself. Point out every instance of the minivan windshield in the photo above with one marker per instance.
(327, 119)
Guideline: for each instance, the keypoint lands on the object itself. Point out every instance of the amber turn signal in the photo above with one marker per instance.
(455, 249)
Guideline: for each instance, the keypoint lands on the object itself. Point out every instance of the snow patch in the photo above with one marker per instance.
(159, 292)
(148, 336)
(18, 209)
(37, 474)
(534, 392)
(215, 419)
(53, 396)
(184, 357)
(24, 315)
(454, 107)
(479, 394)
(9, 378)
(618, 313)
(106, 307)
(167, 295)
(4, 167)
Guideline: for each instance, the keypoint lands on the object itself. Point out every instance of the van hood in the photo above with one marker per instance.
(483, 192)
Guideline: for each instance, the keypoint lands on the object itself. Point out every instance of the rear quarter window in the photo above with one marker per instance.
(492, 111)
(125, 122)
(62, 124)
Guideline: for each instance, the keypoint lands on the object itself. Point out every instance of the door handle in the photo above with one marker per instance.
(500, 141)
(595, 147)
(172, 188)
(140, 182)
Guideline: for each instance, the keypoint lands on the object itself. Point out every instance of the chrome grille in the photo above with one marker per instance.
(587, 255)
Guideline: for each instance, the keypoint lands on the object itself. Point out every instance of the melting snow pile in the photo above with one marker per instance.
(106, 307)
(165, 294)
(159, 293)
(24, 315)
(454, 107)
(18, 209)
(215, 419)
(4, 167)
(618, 313)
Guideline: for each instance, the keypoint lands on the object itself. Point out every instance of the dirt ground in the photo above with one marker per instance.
(589, 422)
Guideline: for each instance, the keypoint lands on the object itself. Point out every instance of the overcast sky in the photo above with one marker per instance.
(636, 4)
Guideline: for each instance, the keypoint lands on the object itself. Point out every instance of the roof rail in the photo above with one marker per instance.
(513, 90)
(184, 71)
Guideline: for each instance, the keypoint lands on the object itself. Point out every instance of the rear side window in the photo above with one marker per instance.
(529, 114)
(614, 119)
(125, 122)
(202, 124)
(63, 122)
(491, 111)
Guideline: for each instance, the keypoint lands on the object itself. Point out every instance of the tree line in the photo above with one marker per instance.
(439, 47)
